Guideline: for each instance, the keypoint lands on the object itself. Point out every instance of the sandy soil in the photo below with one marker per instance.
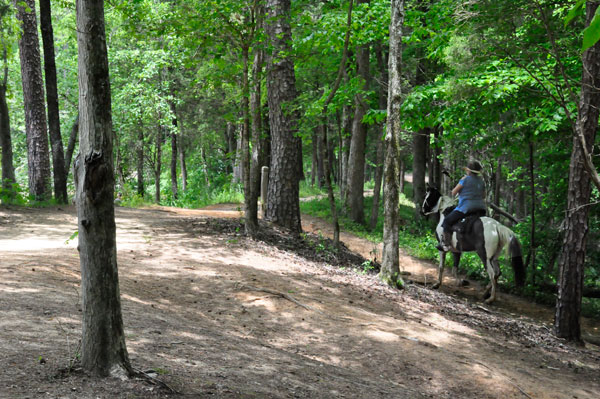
(202, 314)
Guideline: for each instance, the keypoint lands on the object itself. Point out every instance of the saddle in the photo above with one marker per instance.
(465, 225)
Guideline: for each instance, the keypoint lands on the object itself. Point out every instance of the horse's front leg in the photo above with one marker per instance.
(440, 270)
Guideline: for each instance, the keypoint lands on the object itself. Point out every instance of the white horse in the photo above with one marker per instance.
(483, 235)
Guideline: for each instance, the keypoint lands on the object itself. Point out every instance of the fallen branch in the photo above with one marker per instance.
(504, 213)
(282, 295)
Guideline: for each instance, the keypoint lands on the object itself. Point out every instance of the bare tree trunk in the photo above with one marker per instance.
(71, 144)
(158, 164)
(174, 151)
(390, 266)
(572, 257)
(8, 168)
(315, 156)
(182, 164)
(283, 204)
(58, 157)
(38, 159)
(356, 160)
(103, 349)
(256, 112)
(141, 190)
(420, 140)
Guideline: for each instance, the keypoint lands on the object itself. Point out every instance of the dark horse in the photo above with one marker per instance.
(482, 235)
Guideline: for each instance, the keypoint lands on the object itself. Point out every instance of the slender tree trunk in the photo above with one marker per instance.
(420, 141)
(38, 159)
(356, 160)
(8, 169)
(182, 165)
(383, 77)
(250, 200)
(346, 140)
(141, 190)
(71, 144)
(572, 257)
(315, 157)
(158, 164)
(283, 204)
(174, 151)
(103, 349)
(58, 157)
(390, 266)
(256, 111)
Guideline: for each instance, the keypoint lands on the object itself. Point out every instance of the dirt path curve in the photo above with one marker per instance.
(202, 312)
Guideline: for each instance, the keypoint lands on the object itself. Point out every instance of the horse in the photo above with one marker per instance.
(483, 235)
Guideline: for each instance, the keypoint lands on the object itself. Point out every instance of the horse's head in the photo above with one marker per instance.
(432, 197)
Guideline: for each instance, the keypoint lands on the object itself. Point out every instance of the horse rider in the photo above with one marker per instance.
(471, 197)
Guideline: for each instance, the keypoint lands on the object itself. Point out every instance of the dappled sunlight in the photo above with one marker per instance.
(14, 290)
(382, 336)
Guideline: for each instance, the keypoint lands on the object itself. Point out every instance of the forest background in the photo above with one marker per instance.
(494, 80)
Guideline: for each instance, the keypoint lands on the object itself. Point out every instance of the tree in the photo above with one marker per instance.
(103, 349)
(390, 266)
(58, 157)
(572, 257)
(35, 111)
(356, 161)
(8, 168)
(283, 203)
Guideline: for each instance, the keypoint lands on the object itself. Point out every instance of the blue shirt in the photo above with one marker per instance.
(472, 195)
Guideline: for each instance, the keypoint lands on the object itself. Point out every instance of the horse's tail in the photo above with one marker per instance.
(516, 255)
(516, 260)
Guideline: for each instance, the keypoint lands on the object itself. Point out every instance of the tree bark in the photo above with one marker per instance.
(158, 163)
(103, 349)
(71, 144)
(38, 160)
(141, 190)
(356, 160)
(420, 141)
(8, 168)
(572, 257)
(257, 161)
(390, 265)
(174, 151)
(283, 204)
(58, 157)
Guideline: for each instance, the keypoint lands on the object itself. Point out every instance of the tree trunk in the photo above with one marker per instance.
(158, 164)
(8, 168)
(182, 164)
(38, 160)
(257, 161)
(71, 144)
(141, 190)
(315, 156)
(356, 160)
(390, 265)
(420, 141)
(572, 257)
(345, 139)
(383, 78)
(174, 151)
(58, 157)
(250, 200)
(283, 204)
(103, 350)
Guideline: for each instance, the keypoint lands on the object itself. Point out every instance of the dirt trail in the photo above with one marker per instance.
(199, 311)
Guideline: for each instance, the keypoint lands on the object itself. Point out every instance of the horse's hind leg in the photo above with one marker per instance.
(440, 270)
(493, 270)
(456, 262)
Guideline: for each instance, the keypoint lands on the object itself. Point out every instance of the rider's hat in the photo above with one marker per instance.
(474, 167)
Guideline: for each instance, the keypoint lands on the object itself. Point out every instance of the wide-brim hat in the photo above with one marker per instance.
(474, 167)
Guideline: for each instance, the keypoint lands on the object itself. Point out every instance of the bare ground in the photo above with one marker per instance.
(212, 313)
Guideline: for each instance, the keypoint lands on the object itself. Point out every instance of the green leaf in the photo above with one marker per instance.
(591, 34)
(574, 12)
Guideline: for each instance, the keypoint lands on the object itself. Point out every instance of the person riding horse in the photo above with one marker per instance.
(471, 197)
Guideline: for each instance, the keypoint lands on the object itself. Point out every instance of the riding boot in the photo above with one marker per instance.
(446, 242)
